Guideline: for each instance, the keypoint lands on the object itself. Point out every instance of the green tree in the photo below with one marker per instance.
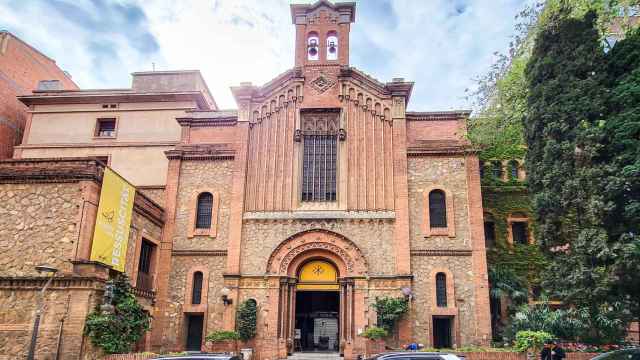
(571, 175)
(116, 332)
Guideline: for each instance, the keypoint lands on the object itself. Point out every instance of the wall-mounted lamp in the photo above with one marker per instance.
(224, 292)
(408, 294)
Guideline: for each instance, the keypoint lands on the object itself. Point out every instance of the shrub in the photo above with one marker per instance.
(247, 319)
(531, 340)
(118, 331)
(375, 333)
(222, 335)
(390, 310)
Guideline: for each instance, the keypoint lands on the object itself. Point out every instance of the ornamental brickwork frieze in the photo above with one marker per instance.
(322, 83)
(317, 240)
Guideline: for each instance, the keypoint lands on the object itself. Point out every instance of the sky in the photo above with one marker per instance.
(442, 45)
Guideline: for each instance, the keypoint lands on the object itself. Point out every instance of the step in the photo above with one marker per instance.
(315, 356)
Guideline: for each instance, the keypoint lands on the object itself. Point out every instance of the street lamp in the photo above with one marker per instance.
(39, 305)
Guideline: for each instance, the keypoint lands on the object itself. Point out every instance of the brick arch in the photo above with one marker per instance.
(317, 244)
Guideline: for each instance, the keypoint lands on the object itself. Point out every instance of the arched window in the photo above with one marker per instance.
(203, 211)
(437, 209)
(313, 42)
(497, 169)
(332, 45)
(196, 292)
(513, 169)
(441, 290)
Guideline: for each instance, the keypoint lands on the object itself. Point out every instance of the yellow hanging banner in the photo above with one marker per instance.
(111, 233)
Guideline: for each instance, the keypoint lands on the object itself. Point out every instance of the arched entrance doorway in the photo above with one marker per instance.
(317, 309)
(326, 267)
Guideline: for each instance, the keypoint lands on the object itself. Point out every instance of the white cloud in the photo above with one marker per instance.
(439, 44)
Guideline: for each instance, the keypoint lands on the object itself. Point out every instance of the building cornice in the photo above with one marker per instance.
(106, 96)
(202, 152)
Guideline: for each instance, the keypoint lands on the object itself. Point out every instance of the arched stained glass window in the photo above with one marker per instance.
(437, 209)
(196, 294)
(441, 290)
(203, 211)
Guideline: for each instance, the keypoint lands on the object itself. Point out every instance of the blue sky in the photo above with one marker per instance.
(440, 44)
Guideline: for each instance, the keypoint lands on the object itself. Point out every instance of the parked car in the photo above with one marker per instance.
(626, 354)
(200, 356)
(417, 355)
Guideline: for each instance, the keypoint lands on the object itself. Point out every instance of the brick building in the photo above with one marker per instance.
(22, 69)
(320, 193)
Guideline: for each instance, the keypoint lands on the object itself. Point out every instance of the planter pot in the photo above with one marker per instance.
(374, 347)
(247, 353)
(228, 346)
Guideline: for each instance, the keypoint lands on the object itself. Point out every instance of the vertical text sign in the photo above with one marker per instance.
(113, 221)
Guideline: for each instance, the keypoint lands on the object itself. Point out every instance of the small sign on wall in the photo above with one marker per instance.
(298, 334)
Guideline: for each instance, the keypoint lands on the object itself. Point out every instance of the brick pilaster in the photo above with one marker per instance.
(166, 245)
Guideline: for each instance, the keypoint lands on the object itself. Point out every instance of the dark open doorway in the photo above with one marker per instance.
(442, 332)
(317, 320)
(194, 332)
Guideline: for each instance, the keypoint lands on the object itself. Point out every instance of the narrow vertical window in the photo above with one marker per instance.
(145, 279)
(313, 50)
(497, 169)
(489, 234)
(481, 168)
(203, 211)
(441, 290)
(196, 294)
(520, 232)
(332, 45)
(437, 209)
(320, 136)
(513, 169)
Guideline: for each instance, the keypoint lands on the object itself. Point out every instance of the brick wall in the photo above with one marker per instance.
(21, 67)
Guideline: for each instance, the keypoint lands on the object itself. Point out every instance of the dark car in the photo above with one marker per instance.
(416, 355)
(200, 356)
(626, 354)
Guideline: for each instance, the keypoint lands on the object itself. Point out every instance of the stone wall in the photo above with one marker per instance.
(181, 269)
(433, 253)
(38, 225)
(67, 305)
(373, 237)
(195, 177)
(155, 194)
(448, 173)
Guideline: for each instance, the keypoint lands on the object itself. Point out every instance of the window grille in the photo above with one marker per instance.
(203, 211)
(441, 290)
(196, 295)
(520, 232)
(319, 165)
(437, 209)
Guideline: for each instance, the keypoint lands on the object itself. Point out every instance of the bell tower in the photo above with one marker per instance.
(322, 32)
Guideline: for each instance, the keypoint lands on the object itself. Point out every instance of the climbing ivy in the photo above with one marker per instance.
(116, 332)
(247, 316)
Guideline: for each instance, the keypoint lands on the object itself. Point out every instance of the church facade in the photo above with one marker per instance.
(320, 194)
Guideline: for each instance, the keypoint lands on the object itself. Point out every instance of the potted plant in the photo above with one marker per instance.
(223, 341)
(375, 342)
(531, 342)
